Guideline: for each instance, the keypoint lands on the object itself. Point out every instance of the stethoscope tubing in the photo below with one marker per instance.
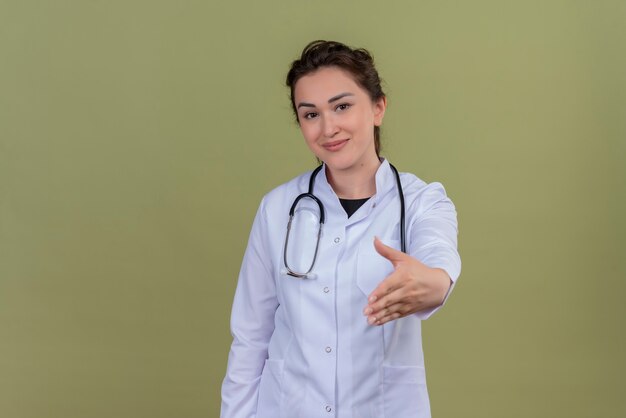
(309, 194)
(401, 196)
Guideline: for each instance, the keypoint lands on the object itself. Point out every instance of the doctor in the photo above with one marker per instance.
(329, 325)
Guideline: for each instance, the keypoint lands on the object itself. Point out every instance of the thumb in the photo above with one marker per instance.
(388, 252)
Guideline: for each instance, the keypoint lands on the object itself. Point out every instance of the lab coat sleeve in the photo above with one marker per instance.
(252, 324)
(433, 236)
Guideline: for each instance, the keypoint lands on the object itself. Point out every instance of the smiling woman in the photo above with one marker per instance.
(332, 122)
(343, 338)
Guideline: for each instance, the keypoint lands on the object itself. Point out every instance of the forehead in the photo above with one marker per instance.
(325, 83)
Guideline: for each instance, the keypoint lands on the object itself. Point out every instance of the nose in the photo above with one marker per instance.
(330, 127)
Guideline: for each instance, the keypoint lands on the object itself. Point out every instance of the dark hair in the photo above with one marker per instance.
(358, 62)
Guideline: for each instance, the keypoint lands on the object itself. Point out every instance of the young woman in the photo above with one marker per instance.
(326, 320)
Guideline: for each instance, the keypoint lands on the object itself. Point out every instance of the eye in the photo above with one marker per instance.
(343, 106)
(310, 115)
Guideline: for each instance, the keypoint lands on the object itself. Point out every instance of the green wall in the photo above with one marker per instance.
(137, 138)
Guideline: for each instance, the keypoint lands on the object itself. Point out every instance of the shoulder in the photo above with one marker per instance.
(421, 196)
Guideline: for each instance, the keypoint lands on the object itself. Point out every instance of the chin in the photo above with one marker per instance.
(338, 164)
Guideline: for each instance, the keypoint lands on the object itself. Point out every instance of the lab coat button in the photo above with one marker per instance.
(326, 290)
(328, 408)
(337, 240)
(328, 349)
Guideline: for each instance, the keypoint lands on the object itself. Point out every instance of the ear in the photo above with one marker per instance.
(379, 110)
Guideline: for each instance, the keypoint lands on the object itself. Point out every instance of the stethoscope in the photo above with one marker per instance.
(309, 195)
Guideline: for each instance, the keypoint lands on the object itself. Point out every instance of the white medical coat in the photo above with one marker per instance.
(302, 347)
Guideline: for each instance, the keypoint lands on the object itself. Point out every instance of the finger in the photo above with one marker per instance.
(387, 304)
(385, 315)
(388, 252)
(388, 318)
(386, 287)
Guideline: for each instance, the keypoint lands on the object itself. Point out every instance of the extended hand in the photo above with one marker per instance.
(412, 287)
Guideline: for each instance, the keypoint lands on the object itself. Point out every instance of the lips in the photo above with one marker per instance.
(335, 145)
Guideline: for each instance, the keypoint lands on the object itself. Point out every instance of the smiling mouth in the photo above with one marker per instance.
(335, 145)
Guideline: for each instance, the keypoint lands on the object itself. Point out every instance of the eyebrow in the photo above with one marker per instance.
(339, 96)
(332, 99)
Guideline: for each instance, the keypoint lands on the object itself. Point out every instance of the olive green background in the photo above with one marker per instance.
(137, 138)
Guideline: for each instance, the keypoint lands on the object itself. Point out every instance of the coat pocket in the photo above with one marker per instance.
(372, 268)
(404, 392)
(270, 389)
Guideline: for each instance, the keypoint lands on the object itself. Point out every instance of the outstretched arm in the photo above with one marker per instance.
(411, 288)
(421, 280)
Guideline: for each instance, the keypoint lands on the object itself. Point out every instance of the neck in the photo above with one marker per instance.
(356, 182)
